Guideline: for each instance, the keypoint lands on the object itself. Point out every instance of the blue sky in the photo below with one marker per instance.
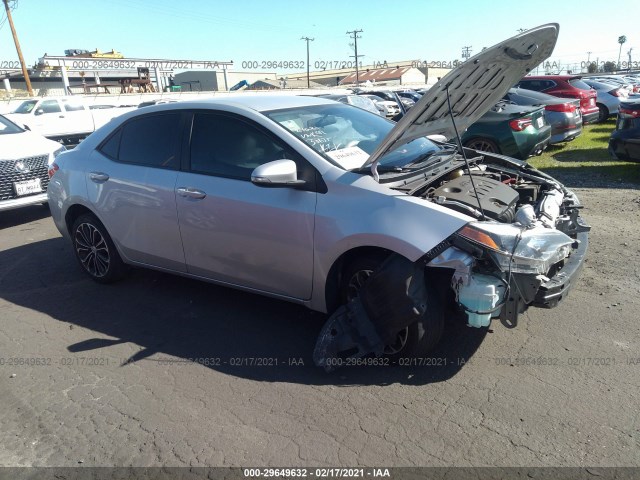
(251, 30)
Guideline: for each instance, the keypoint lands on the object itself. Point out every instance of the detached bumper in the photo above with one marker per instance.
(557, 288)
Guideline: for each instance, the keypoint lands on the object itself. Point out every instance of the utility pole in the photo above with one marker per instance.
(466, 52)
(15, 40)
(354, 34)
(307, 39)
(629, 64)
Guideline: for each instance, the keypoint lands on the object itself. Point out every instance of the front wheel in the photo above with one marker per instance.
(417, 339)
(95, 250)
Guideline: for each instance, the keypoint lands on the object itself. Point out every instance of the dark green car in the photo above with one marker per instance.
(512, 130)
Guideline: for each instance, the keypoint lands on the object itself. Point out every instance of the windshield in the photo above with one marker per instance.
(347, 136)
(7, 126)
(26, 106)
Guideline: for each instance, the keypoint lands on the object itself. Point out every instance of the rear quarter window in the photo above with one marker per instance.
(577, 83)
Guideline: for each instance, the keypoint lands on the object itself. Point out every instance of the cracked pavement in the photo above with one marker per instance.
(100, 375)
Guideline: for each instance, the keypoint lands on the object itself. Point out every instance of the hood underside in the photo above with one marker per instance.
(473, 88)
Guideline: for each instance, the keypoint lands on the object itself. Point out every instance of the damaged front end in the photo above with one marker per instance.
(525, 248)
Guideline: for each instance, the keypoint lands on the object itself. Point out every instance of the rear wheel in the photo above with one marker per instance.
(418, 338)
(482, 144)
(95, 250)
(603, 113)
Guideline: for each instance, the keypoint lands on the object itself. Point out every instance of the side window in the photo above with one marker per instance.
(72, 106)
(229, 147)
(49, 106)
(111, 146)
(152, 140)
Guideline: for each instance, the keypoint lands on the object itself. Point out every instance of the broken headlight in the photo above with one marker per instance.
(519, 250)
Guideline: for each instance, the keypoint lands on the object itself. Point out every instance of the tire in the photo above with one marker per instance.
(482, 144)
(603, 113)
(95, 251)
(417, 339)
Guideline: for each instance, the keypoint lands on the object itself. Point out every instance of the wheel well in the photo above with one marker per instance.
(74, 212)
(332, 286)
(603, 106)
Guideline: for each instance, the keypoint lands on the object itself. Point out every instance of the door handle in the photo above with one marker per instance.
(189, 192)
(98, 177)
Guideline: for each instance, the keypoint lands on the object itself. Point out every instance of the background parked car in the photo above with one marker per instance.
(563, 115)
(359, 101)
(389, 96)
(25, 158)
(608, 98)
(625, 139)
(386, 108)
(410, 94)
(511, 130)
(566, 86)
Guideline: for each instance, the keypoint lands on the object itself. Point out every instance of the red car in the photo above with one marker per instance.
(566, 86)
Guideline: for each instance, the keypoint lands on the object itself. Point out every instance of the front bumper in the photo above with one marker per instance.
(23, 201)
(557, 288)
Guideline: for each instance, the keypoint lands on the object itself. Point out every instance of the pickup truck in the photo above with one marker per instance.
(66, 119)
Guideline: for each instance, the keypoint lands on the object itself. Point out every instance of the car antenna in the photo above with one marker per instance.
(464, 155)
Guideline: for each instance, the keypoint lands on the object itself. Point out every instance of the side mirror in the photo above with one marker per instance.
(279, 173)
(38, 111)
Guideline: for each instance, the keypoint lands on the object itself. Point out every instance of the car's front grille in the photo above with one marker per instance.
(36, 168)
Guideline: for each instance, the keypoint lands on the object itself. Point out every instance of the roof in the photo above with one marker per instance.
(257, 102)
(377, 75)
(552, 77)
(268, 84)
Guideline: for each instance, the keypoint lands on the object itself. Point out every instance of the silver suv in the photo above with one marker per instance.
(327, 205)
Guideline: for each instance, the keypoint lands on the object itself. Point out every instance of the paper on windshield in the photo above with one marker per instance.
(349, 158)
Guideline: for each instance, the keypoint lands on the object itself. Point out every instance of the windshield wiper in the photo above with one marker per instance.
(428, 156)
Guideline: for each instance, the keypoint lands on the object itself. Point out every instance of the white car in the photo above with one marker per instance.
(25, 158)
(333, 207)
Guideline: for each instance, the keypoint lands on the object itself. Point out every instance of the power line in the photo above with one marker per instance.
(355, 36)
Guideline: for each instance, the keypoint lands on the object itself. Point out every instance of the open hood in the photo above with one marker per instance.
(474, 87)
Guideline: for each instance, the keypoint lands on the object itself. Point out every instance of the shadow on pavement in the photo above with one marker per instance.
(23, 215)
(173, 318)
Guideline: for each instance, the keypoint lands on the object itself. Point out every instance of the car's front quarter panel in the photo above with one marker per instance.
(359, 212)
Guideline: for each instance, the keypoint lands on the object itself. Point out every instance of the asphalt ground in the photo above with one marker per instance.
(160, 370)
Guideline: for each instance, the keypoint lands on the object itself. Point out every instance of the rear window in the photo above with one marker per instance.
(577, 83)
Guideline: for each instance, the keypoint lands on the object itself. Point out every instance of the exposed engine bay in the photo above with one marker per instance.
(524, 246)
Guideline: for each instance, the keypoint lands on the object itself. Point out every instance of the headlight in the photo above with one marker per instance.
(521, 250)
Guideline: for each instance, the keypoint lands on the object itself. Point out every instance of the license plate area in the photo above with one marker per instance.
(540, 122)
(27, 187)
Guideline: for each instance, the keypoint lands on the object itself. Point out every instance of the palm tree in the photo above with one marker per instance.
(621, 39)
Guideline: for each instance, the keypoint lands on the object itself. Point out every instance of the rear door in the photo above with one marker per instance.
(234, 231)
(131, 181)
(77, 117)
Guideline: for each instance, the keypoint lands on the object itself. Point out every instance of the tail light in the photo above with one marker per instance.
(615, 92)
(53, 168)
(630, 112)
(561, 107)
(520, 124)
